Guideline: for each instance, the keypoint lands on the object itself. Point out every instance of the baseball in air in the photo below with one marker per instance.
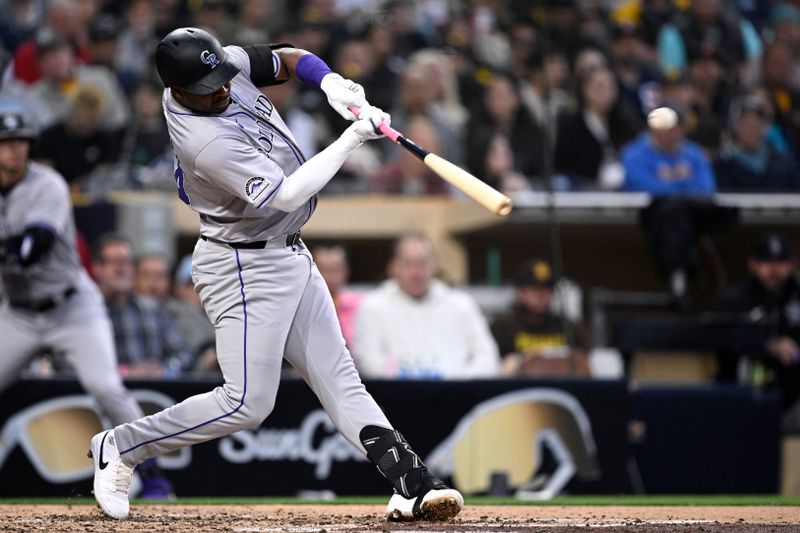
(662, 118)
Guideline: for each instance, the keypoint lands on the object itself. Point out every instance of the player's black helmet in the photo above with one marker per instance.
(14, 125)
(193, 59)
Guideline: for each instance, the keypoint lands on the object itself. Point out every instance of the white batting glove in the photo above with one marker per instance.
(342, 94)
(366, 127)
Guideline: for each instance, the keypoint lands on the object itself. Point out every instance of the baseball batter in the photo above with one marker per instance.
(238, 166)
(49, 300)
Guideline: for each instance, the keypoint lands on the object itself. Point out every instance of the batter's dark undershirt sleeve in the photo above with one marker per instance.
(262, 67)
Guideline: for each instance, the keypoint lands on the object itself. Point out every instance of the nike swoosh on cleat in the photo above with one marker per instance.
(102, 464)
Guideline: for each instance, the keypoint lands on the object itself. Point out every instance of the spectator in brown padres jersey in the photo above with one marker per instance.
(533, 340)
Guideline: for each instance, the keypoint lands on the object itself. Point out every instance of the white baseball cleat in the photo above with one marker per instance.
(112, 477)
(438, 504)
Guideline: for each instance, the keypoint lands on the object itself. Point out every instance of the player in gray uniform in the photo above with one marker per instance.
(48, 299)
(238, 166)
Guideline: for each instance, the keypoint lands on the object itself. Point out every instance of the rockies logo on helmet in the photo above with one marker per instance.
(209, 59)
(177, 62)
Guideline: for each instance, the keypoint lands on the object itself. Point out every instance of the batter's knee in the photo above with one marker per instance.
(257, 405)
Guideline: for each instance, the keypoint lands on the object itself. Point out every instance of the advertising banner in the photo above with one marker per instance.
(538, 438)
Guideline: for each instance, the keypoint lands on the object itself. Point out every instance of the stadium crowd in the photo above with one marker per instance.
(511, 90)
(528, 95)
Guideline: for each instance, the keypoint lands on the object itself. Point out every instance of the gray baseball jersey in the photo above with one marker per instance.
(227, 166)
(76, 323)
(266, 302)
(42, 199)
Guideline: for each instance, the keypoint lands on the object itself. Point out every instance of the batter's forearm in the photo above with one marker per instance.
(298, 187)
(289, 58)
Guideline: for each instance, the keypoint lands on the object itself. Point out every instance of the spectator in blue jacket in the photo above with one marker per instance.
(662, 162)
(679, 176)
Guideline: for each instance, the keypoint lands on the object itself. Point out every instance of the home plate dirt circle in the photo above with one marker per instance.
(346, 518)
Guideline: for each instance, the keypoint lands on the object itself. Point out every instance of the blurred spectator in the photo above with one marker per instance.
(785, 99)
(400, 16)
(586, 61)
(211, 16)
(503, 113)
(490, 44)
(747, 162)
(250, 26)
(648, 17)
(771, 293)
(331, 260)
(785, 25)
(418, 99)
(381, 83)
(62, 76)
(663, 163)
(533, 340)
(103, 41)
(414, 326)
(493, 162)
(542, 90)
(707, 30)
(168, 15)
(712, 90)
(638, 81)
(445, 106)
(20, 19)
(148, 345)
(151, 277)
(589, 140)
(679, 177)
(76, 147)
(137, 42)
(562, 18)
(182, 304)
(63, 20)
(405, 173)
(146, 146)
(523, 38)
(191, 320)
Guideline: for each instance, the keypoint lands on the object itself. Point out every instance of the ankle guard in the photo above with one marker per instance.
(395, 459)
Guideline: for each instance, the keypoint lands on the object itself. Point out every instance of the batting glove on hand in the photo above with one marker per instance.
(369, 118)
(342, 94)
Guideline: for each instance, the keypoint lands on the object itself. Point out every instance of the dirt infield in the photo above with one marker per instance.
(335, 518)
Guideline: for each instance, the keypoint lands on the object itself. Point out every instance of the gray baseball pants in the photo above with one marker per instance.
(80, 328)
(265, 304)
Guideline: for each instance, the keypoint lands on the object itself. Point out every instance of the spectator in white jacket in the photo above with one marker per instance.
(414, 326)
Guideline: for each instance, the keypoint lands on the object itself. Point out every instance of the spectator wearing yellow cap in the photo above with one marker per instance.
(533, 339)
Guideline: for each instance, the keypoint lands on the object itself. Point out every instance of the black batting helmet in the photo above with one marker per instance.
(193, 59)
(14, 125)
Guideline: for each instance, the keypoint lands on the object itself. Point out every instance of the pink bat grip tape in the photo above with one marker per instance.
(384, 128)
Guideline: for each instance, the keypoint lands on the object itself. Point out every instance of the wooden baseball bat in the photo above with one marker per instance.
(490, 198)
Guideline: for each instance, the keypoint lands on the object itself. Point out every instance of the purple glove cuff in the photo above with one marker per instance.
(310, 69)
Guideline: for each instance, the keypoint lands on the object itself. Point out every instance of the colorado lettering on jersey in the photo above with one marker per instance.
(263, 108)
